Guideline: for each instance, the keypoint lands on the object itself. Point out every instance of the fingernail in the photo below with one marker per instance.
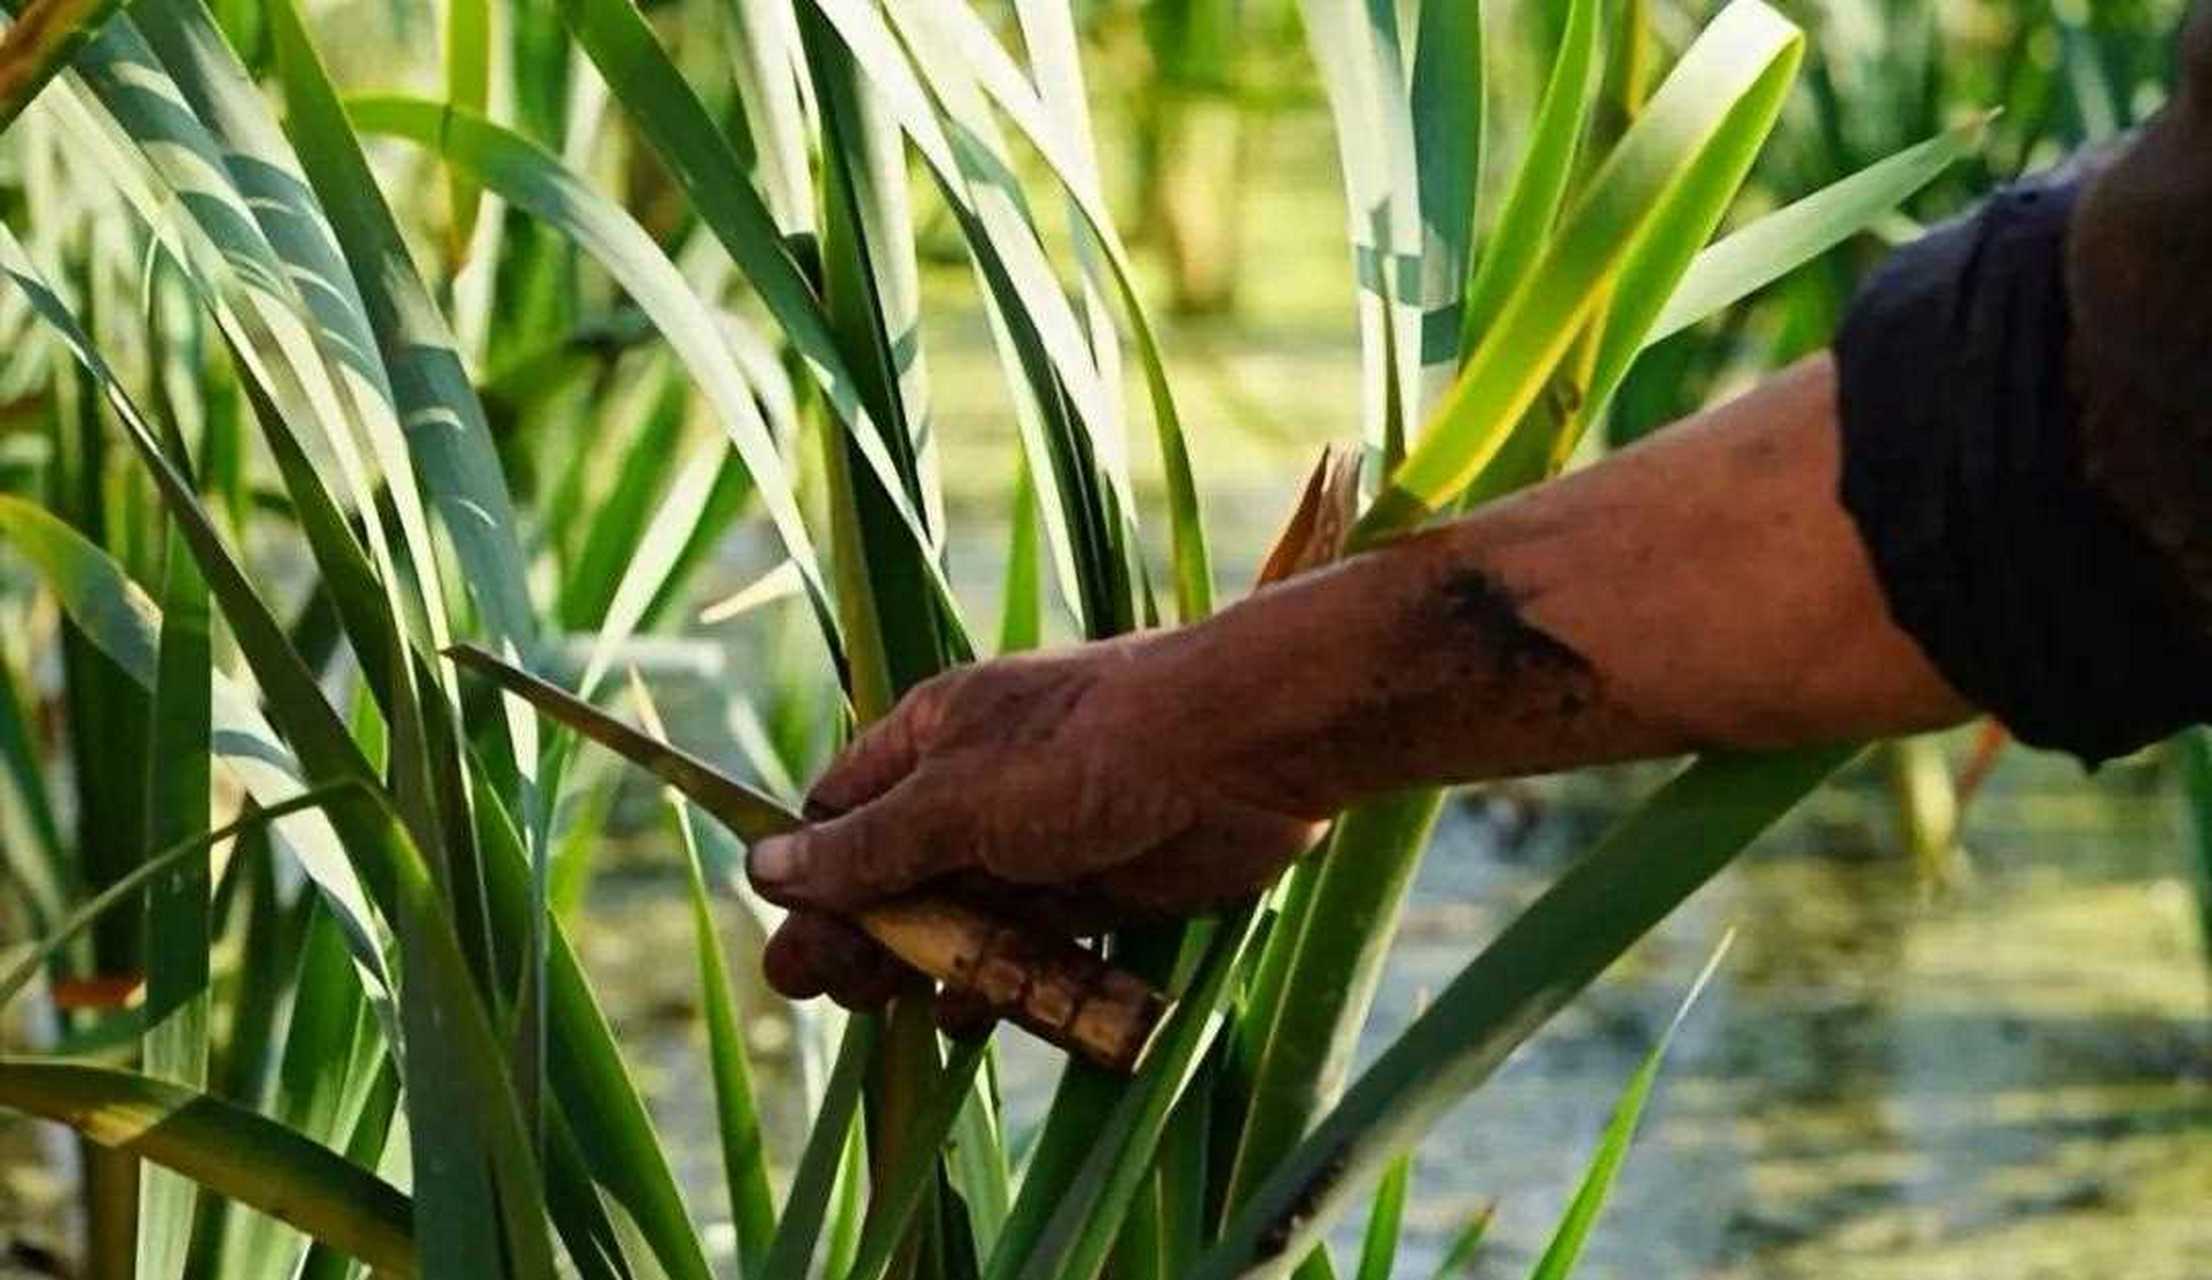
(774, 862)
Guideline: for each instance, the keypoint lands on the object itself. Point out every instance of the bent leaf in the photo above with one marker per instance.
(229, 1150)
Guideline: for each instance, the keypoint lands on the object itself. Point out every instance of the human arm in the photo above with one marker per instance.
(2000, 501)
(1703, 590)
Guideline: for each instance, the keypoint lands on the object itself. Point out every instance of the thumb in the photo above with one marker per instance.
(911, 833)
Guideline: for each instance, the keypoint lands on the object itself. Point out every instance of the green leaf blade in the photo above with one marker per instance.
(228, 1149)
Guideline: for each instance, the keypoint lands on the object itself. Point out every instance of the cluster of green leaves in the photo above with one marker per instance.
(1880, 75)
(276, 464)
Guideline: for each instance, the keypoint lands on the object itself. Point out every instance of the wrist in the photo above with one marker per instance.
(1284, 699)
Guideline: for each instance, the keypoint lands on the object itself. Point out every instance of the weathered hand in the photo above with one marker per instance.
(1067, 791)
(1703, 590)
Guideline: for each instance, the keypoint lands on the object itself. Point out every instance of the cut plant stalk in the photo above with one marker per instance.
(1050, 986)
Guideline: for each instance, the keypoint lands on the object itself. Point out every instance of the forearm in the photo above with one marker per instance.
(1704, 590)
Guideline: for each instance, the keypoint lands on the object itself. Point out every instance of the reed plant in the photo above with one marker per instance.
(287, 424)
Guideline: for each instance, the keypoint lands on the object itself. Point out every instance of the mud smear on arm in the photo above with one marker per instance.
(1463, 685)
(1488, 618)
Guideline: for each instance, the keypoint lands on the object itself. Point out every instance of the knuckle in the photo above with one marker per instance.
(853, 856)
(842, 786)
(1019, 837)
(889, 846)
(913, 833)
(921, 716)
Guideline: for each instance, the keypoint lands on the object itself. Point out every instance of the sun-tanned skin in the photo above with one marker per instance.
(1705, 589)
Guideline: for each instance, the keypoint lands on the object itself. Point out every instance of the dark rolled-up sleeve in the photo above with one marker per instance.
(1962, 470)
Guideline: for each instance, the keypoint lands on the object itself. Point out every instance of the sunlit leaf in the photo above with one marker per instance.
(227, 1149)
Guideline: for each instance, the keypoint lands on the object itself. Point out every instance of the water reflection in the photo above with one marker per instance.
(2003, 1082)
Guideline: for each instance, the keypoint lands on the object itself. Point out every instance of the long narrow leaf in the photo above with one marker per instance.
(1524, 225)
(1086, 1219)
(1765, 251)
(1678, 222)
(1336, 962)
(934, 24)
(1650, 863)
(807, 1205)
(1566, 1245)
(1378, 1253)
(1466, 1247)
(333, 1061)
(584, 1067)
(227, 1149)
(744, 1160)
(891, 1208)
(1747, 48)
(447, 434)
(45, 35)
(1050, 360)
(468, 76)
(179, 777)
(31, 835)
(1450, 117)
(1356, 48)
(531, 179)
(267, 178)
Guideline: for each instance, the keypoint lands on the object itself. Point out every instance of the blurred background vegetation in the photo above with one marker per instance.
(1964, 1032)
